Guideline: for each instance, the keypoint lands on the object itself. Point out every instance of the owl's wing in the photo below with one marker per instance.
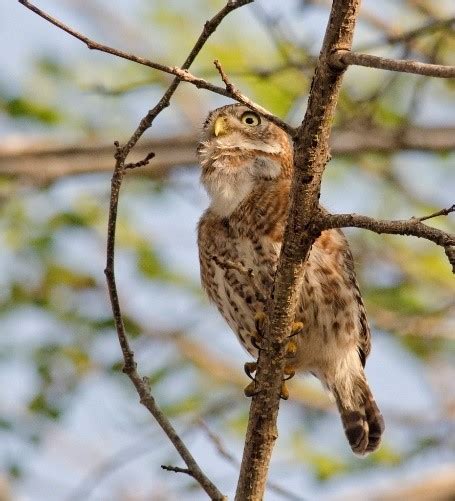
(365, 334)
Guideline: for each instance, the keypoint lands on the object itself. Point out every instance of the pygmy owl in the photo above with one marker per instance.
(247, 165)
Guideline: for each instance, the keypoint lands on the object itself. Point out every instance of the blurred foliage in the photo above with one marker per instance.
(56, 318)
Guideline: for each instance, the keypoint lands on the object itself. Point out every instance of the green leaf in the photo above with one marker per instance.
(61, 275)
(20, 107)
(39, 405)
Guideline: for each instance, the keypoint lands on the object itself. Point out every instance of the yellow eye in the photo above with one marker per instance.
(250, 118)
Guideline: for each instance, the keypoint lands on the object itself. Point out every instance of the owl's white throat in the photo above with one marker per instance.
(229, 181)
(227, 192)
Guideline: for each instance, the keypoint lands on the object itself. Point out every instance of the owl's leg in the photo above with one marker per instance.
(260, 320)
(291, 349)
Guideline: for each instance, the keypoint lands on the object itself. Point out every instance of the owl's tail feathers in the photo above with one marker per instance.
(362, 420)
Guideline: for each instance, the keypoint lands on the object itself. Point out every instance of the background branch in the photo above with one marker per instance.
(42, 162)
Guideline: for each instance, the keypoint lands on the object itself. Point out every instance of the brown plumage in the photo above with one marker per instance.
(247, 167)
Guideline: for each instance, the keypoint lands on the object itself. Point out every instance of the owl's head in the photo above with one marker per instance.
(239, 148)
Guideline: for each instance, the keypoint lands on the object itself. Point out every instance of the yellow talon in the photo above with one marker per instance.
(289, 372)
(284, 393)
(260, 319)
(291, 349)
(297, 328)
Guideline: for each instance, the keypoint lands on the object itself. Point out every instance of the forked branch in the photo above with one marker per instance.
(181, 73)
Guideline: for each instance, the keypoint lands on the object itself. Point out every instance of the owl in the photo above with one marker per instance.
(247, 165)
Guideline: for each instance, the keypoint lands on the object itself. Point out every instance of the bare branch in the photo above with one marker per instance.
(413, 227)
(176, 469)
(121, 153)
(429, 27)
(409, 36)
(442, 212)
(343, 58)
(140, 163)
(43, 162)
(234, 93)
(310, 156)
(181, 73)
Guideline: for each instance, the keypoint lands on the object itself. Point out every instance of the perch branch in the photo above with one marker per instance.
(230, 458)
(343, 58)
(311, 146)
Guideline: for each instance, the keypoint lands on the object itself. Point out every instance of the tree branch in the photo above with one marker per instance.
(442, 212)
(121, 154)
(182, 73)
(311, 154)
(413, 227)
(343, 58)
(43, 162)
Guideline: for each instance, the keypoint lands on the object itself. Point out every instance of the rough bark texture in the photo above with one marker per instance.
(311, 148)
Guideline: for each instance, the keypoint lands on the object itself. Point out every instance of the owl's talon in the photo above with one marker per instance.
(250, 390)
(289, 373)
(297, 328)
(250, 368)
(255, 342)
(291, 349)
(284, 393)
(260, 319)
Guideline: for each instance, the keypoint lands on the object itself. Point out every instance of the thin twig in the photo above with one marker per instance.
(343, 58)
(176, 469)
(442, 212)
(121, 153)
(141, 163)
(234, 93)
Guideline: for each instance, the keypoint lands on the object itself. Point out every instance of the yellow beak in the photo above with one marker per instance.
(220, 126)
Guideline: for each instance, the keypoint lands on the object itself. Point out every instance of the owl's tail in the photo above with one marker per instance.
(362, 420)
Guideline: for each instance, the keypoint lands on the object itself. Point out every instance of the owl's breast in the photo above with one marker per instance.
(237, 273)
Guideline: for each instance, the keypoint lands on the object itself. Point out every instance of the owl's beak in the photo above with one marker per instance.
(220, 127)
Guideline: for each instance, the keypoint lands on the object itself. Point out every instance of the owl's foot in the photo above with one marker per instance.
(297, 328)
(251, 390)
(289, 373)
(260, 320)
(250, 368)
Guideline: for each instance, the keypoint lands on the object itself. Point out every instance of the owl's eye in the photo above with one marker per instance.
(250, 118)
